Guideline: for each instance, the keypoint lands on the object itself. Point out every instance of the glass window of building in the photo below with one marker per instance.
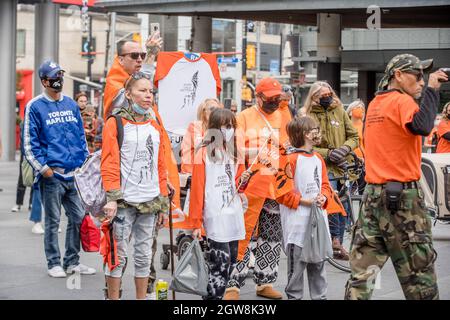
(223, 36)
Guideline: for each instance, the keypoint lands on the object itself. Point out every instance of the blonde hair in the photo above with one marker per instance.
(446, 106)
(314, 92)
(358, 103)
(201, 110)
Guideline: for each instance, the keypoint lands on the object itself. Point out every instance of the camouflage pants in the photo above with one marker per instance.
(404, 236)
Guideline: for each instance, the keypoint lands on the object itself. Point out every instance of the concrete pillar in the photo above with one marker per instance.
(8, 30)
(329, 47)
(46, 37)
(366, 86)
(201, 34)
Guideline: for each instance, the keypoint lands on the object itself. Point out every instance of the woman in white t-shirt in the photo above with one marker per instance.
(311, 187)
(215, 204)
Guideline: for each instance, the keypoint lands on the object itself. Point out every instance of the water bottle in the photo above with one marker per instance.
(161, 290)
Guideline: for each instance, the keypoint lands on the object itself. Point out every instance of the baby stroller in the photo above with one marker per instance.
(435, 184)
(183, 237)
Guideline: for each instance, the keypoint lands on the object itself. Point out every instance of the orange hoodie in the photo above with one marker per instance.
(115, 80)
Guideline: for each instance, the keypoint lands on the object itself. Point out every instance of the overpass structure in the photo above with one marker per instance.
(395, 13)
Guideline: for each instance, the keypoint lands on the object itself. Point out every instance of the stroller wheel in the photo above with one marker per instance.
(183, 245)
(164, 260)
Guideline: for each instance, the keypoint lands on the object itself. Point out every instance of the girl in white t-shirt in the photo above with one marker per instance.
(311, 187)
(215, 204)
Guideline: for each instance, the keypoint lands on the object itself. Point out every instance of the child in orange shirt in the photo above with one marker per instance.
(214, 203)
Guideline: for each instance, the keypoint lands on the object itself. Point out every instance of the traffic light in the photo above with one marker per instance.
(251, 56)
(246, 94)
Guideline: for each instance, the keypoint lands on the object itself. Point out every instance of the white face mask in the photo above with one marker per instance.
(227, 133)
(436, 122)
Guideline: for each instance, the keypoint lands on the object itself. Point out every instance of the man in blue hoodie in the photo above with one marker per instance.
(55, 145)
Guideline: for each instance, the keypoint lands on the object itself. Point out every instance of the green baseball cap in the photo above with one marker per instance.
(403, 62)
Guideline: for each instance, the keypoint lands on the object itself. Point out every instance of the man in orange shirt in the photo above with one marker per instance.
(393, 222)
(443, 131)
(257, 124)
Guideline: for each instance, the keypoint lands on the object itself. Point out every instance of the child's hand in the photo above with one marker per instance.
(245, 176)
(197, 234)
(320, 200)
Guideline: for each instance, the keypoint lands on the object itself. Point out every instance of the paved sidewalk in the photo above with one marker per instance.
(23, 273)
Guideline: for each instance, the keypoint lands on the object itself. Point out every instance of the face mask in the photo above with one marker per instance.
(270, 107)
(436, 122)
(138, 109)
(56, 84)
(326, 101)
(227, 133)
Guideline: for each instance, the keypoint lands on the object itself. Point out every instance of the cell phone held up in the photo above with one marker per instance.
(447, 72)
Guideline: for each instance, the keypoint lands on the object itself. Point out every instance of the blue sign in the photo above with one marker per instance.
(228, 60)
(274, 66)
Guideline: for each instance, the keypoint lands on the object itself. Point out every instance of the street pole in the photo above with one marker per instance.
(244, 63)
(258, 50)
(90, 60)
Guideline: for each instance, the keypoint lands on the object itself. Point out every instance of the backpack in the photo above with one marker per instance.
(88, 178)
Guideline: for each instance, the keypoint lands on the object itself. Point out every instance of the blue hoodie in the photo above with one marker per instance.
(53, 134)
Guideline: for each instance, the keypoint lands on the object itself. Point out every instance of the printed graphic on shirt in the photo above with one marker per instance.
(316, 177)
(191, 91)
(145, 161)
(61, 117)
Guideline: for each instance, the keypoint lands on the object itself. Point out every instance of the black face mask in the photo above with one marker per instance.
(270, 107)
(56, 84)
(326, 101)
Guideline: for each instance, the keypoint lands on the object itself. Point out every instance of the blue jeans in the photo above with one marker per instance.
(54, 193)
(337, 221)
(36, 208)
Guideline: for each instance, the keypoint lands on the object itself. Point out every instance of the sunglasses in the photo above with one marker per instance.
(327, 95)
(418, 75)
(275, 100)
(138, 76)
(135, 55)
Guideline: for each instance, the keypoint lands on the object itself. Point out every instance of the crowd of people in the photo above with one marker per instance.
(256, 174)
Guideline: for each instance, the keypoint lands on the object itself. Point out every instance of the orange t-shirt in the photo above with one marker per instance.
(252, 130)
(443, 144)
(359, 127)
(392, 152)
(191, 140)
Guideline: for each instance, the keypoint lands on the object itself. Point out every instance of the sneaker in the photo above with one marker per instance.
(16, 208)
(267, 291)
(56, 272)
(37, 228)
(59, 230)
(80, 268)
(231, 294)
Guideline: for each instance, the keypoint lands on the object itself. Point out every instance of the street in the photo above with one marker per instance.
(23, 273)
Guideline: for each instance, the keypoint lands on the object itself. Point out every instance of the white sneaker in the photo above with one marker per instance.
(37, 228)
(57, 272)
(80, 268)
(59, 230)
(16, 208)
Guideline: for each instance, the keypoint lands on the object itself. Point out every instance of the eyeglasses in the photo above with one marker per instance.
(314, 130)
(419, 75)
(135, 55)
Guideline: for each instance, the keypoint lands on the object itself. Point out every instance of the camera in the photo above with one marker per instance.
(447, 72)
